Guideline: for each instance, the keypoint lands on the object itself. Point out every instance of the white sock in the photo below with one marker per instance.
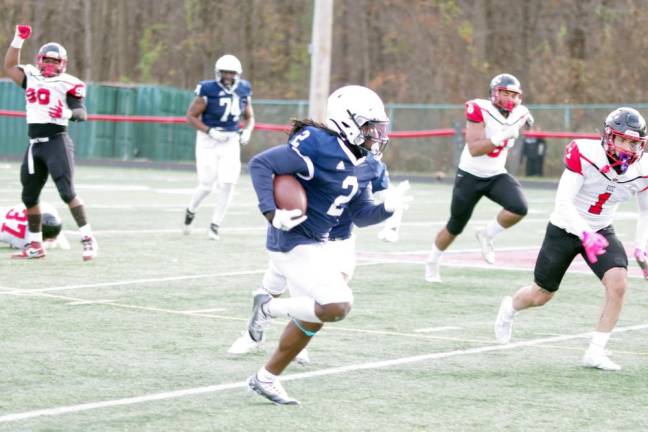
(225, 195)
(301, 308)
(86, 230)
(36, 237)
(266, 376)
(435, 253)
(494, 228)
(198, 195)
(600, 339)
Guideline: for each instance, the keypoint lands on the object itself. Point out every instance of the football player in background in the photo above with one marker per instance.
(641, 235)
(598, 176)
(216, 112)
(491, 129)
(324, 158)
(13, 227)
(53, 98)
(341, 245)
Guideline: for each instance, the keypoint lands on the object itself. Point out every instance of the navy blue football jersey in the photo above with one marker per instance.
(224, 106)
(326, 168)
(372, 172)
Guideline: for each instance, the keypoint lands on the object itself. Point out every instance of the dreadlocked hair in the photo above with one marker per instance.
(298, 125)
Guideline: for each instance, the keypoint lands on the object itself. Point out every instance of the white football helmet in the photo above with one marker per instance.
(358, 115)
(229, 63)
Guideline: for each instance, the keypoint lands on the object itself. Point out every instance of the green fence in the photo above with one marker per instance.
(175, 142)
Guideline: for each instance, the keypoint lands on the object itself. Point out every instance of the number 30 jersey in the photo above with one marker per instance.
(590, 192)
(43, 93)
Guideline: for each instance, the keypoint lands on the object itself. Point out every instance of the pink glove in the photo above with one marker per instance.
(23, 31)
(640, 256)
(594, 245)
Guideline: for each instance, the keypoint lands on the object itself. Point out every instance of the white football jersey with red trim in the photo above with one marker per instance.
(603, 189)
(483, 111)
(43, 93)
(13, 226)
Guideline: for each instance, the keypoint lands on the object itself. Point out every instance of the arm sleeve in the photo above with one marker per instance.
(641, 233)
(568, 187)
(276, 160)
(364, 212)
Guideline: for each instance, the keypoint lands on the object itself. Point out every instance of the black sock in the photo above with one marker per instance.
(78, 213)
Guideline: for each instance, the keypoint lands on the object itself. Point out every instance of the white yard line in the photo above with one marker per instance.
(174, 394)
(436, 329)
(88, 302)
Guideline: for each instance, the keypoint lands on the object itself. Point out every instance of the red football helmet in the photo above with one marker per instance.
(51, 50)
(505, 82)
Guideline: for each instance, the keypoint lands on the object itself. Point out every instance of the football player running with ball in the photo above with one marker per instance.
(324, 157)
(598, 176)
(53, 99)
(216, 112)
(491, 129)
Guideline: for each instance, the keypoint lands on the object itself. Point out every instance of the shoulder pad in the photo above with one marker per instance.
(473, 112)
(244, 88)
(572, 158)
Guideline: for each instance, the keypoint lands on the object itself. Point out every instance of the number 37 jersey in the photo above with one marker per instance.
(603, 189)
(13, 226)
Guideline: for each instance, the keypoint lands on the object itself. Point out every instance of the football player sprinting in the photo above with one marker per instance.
(491, 129)
(216, 112)
(324, 158)
(598, 176)
(13, 227)
(53, 98)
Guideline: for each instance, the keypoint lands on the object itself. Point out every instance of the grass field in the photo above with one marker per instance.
(136, 340)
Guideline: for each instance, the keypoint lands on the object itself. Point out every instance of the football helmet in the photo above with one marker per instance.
(228, 63)
(51, 50)
(628, 124)
(358, 115)
(51, 221)
(505, 82)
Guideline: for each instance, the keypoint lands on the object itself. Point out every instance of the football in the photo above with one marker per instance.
(289, 193)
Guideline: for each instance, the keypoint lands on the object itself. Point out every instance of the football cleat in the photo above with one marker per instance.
(486, 244)
(212, 232)
(302, 357)
(504, 321)
(432, 272)
(90, 248)
(189, 217)
(32, 251)
(259, 318)
(597, 358)
(244, 344)
(271, 390)
(388, 235)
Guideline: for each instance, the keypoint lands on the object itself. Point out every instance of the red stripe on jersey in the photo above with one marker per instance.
(473, 112)
(572, 158)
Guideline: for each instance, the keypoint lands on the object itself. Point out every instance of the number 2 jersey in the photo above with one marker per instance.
(483, 111)
(589, 192)
(43, 93)
(328, 171)
(224, 106)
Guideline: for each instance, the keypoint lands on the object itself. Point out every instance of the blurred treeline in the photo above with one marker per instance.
(410, 51)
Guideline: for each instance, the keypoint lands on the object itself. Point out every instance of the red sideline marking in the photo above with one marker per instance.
(521, 259)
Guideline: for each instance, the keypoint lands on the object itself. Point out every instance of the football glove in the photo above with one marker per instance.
(60, 112)
(23, 32)
(594, 244)
(642, 260)
(397, 198)
(245, 136)
(285, 220)
(500, 138)
(529, 121)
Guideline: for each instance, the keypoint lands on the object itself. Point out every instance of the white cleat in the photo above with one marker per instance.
(432, 272)
(597, 358)
(487, 247)
(504, 322)
(212, 232)
(388, 235)
(302, 358)
(244, 344)
(90, 248)
(271, 390)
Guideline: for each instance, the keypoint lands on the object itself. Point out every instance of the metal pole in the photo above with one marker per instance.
(320, 50)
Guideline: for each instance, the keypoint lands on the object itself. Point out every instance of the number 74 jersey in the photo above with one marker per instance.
(602, 189)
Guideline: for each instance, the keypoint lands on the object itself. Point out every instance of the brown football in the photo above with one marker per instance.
(289, 193)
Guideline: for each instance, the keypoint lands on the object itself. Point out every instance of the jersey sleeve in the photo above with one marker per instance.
(381, 180)
(473, 112)
(201, 89)
(364, 211)
(572, 158)
(569, 186)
